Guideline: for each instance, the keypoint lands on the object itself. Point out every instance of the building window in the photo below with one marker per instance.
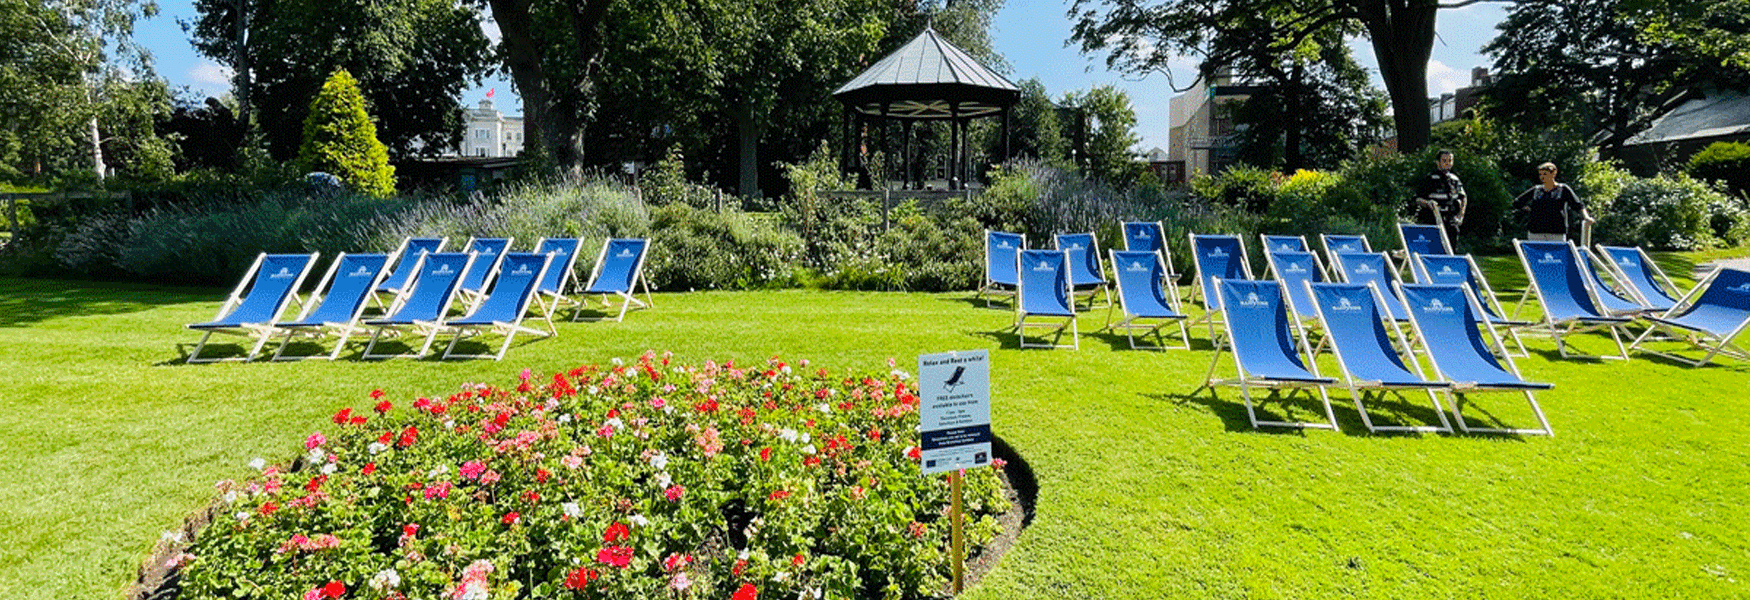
(480, 134)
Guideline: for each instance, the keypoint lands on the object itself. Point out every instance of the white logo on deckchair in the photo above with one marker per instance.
(1252, 301)
(1348, 248)
(624, 253)
(1005, 245)
(1436, 306)
(283, 274)
(362, 272)
(1295, 268)
(1218, 253)
(442, 270)
(1742, 288)
(1421, 239)
(1447, 270)
(1143, 234)
(1044, 266)
(1074, 246)
(1343, 304)
(1549, 259)
(1365, 268)
(1136, 267)
(1626, 261)
(1285, 248)
(522, 270)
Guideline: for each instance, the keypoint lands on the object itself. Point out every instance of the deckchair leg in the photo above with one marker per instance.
(194, 357)
(345, 334)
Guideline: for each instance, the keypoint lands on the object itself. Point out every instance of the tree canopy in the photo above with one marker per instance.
(339, 139)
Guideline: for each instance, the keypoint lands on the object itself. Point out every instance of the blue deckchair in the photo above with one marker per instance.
(1268, 350)
(505, 307)
(1460, 269)
(1297, 268)
(1044, 291)
(403, 257)
(1446, 318)
(1569, 303)
(1641, 276)
(270, 284)
(1375, 268)
(1145, 293)
(550, 293)
(1709, 317)
(1371, 359)
(1275, 243)
(1423, 239)
(619, 272)
(1000, 250)
(1145, 236)
(1085, 271)
(343, 293)
(1216, 256)
(474, 282)
(1616, 299)
(422, 307)
(1335, 243)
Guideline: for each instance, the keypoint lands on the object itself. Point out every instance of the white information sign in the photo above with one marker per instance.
(954, 410)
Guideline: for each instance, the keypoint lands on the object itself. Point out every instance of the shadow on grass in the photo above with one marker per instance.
(25, 302)
(1233, 412)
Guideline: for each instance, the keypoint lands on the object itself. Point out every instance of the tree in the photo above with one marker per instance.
(1111, 134)
(1035, 131)
(1143, 37)
(1318, 111)
(339, 139)
(73, 83)
(553, 50)
(414, 58)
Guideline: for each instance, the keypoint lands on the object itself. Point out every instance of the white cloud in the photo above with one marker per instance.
(1443, 79)
(208, 74)
(490, 28)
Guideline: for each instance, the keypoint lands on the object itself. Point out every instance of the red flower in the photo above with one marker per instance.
(316, 483)
(334, 589)
(913, 453)
(376, 394)
(811, 461)
(388, 436)
(511, 518)
(740, 565)
(779, 495)
(580, 577)
(747, 592)
(616, 532)
(616, 556)
(674, 493)
(383, 407)
(541, 475)
(342, 417)
(267, 508)
(369, 468)
(798, 560)
(408, 436)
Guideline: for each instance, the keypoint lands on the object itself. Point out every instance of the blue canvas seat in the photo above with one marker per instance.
(1277, 243)
(421, 308)
(336, 305)
(1145, 236)
(1146, 294)
(550, 293)
(267, 288)
(1423, 239)
(1085, 271)
(1615, 297)
(1708, 318)
(617, 276)
(1570, 304)
(1216, 256)
(1000, 250)
(1044, 292)
(1642, 276)
(505, 307)
(1460, 269)
(1448, 322)
(1335, 243)
(1375, 268)
(1371, 359)
(404, 257)
(490, 251)
(1268, 349)
(1297, 268)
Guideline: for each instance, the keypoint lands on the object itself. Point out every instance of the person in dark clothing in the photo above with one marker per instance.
(1442, 191)
(1547, 206)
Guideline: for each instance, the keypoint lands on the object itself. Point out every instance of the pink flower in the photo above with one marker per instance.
(472, 469)
(606, 431)
(674, 493)
(571, 461)
(438, 490)
(680, 582)
(324, 542)
(315, 439)
(616, 556)
(489, 477)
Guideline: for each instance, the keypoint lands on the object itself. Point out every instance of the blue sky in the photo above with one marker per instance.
(1029, 33)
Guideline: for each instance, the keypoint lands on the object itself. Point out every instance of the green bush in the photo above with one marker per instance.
(936, 254)
(1670, 213)
(666, 183)
(1244, 187)
(696, 249)
(340, 139)
(1382, 188)
(1724, 162)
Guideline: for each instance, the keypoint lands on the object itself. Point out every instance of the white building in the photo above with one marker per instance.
(489, 133)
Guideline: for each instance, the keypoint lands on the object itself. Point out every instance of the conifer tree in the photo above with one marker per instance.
(340, 139)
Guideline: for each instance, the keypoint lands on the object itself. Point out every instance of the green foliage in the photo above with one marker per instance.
(1111, 134)
(1247, 188)
(830, 228)
(935, 253)
(1668, 213)
(340, 139)
(1724, 162)
(1035, 131)
(666, 183)
(694, 249)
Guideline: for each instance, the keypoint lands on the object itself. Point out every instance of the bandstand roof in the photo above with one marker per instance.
(926, 79)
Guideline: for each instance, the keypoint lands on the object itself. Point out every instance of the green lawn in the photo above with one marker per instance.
(1148, 487)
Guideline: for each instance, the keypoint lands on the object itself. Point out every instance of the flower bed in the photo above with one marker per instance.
(648, 480)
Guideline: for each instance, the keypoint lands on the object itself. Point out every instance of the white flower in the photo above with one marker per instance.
(173, 536)
(616, 423)
(638, 520)
(230, 497)
(572, 509)
(440, 471)
(617, 361)
(902, 375)
(565, 418)
(663, 480)
(823, 407)
(449, 424)
(317, 455)
(807, 438)
(328, 469)
(781, 576)
(258, 464)
(809, 449)
(377, 447)
(659, 461)
(742, 555)
(809, 593)
(385, 580)
(243, 515)
(786, 369)
(552, 404)
(788, 435)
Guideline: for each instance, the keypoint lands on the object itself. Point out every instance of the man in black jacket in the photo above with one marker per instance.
(1442, 191)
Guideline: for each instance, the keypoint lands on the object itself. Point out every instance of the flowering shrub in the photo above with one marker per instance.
(648, 480)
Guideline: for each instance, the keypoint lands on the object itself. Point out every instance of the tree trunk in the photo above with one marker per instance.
(240, 62)
(747, 129)
(557, 125)
(97, 151)
(1291, 156)
(1402, 32)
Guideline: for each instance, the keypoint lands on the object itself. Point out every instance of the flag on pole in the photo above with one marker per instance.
(490, 92)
